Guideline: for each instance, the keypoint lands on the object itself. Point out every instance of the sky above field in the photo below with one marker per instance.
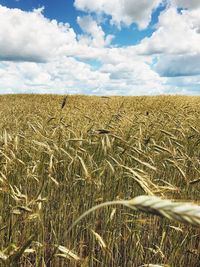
(102, 47)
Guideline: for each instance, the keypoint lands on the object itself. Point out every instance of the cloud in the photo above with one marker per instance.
(94, 35)
(174, 49)
(180, 65)
(175, 44)
(183, 85)
(192, 4)
(193, 18)
(29, 36)
(43, 56)
(135, 75)
(176, 34)
(123, 12)
(68, 75)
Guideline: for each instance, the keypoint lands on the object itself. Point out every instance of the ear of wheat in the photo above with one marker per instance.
(179, 211)
(64, 102)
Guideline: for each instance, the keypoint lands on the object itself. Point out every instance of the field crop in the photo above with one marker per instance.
(61, 156)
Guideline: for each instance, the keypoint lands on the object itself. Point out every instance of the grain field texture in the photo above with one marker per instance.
(62, 155)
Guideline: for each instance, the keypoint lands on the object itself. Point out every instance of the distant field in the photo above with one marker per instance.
(60, 157)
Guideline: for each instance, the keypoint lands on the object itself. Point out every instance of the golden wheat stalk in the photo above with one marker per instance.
(178, 211)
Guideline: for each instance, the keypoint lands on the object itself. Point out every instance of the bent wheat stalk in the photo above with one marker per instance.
(178, 211)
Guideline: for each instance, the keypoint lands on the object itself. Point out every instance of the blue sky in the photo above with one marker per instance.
(125, 47)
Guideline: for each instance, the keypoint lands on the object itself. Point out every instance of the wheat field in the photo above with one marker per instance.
(91, 181)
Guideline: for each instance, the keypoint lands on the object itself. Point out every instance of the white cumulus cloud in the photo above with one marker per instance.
(122, 11)
(176, 34)
(29, 36)
(175, 43)
(43, 56)
(95, 36)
